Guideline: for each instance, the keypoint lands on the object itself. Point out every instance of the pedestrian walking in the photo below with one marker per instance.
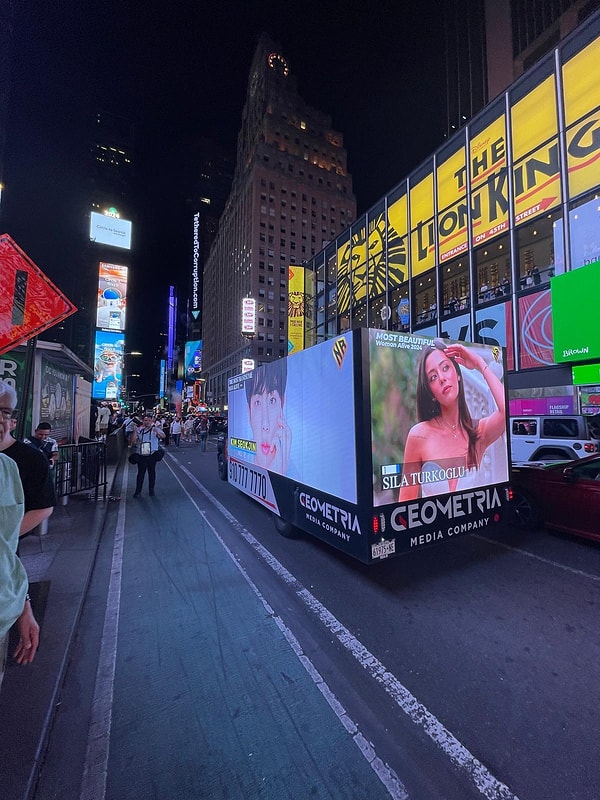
(146, 438)
(176, 430)
(188, 427)
(203, 430)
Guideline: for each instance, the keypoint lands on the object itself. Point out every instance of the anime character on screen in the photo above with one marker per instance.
(444, 450)
(265, 392)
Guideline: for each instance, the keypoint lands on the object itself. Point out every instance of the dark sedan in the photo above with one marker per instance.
(565, 496)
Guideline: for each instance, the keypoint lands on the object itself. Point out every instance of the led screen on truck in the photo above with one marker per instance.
(438, 417)
(295, 416)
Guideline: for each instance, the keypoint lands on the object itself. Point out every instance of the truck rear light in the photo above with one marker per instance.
(378, 524)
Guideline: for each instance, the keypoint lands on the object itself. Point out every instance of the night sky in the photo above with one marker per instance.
(180, 70)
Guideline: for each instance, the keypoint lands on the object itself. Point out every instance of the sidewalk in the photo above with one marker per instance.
(59, 566)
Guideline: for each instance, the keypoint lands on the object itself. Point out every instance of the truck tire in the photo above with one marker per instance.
(286, 529)
(525, 513)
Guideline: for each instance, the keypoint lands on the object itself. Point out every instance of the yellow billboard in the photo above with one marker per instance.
(451, 195)
(397, 242)
(489, 181)
(296, 309)
(422, 228)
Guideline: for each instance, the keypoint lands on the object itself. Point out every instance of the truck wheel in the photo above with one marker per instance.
(286, 528)
(525, 513)
(222, 468)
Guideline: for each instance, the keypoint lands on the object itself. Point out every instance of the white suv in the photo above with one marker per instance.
(555, 438)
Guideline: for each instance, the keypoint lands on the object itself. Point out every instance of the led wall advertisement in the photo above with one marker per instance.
(295, 417)
(575, 314)
(112, 297)
(109, 230)
(108, 365)
(296, 309)
(438, 416)
(193, 359)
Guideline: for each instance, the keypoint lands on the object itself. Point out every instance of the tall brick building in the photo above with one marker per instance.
(291, 194)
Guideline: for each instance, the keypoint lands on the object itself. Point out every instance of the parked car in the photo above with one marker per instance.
(222, 453)
(565, 496)
(551, 438)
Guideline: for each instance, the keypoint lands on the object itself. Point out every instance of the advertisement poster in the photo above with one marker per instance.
(295, 417)
(108, 365)
(438, 416)
(105, 229)
(56, 400)
(112, 297)
(193, 359)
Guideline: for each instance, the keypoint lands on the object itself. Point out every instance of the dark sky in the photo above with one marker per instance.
(180, 69)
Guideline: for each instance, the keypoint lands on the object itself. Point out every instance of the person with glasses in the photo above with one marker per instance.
(146, 438)
(15, 605)
(33, 466)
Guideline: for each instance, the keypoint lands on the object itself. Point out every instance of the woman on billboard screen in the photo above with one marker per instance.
(444, 450)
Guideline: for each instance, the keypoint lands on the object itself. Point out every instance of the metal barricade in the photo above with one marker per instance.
(81, 468)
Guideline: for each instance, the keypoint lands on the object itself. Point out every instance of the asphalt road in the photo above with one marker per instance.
(466, 670)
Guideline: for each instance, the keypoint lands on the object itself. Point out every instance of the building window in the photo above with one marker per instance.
(455, 286)
(535, 249)
(491, 265)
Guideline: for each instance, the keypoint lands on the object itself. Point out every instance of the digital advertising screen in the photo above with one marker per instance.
(438, 416)
(112, 297)
(295, 416)
(110, 230)
(574, 299)
(108, 365)
(193, 359)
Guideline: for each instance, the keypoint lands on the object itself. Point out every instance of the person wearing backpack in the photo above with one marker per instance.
(203, 430)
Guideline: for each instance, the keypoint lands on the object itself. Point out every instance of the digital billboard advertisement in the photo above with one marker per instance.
(296, 309)
(438, 416)
(193, 359)
(575, 314)
(112, 297)
(295, 417)
(108, 365)
(105, 229)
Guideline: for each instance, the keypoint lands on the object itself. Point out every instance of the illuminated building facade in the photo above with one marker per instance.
(466, 246)
(291, 194)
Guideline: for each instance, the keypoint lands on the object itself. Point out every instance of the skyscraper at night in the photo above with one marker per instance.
(291, 194)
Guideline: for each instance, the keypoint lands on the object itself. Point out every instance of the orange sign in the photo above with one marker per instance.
(29, 302)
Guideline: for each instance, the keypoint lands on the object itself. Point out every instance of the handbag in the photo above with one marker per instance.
(134, 457)
(159, 454)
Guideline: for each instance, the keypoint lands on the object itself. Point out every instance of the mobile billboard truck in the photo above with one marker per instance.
(376, 442)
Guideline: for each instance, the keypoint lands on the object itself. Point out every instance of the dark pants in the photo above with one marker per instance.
(176, 437)
(203, 437)
(146, 463)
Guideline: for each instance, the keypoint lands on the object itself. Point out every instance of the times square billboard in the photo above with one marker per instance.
(112, 297)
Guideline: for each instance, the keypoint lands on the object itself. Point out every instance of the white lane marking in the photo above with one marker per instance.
(489, 786)
(386, 775)
(93, 782)
(528, 553)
